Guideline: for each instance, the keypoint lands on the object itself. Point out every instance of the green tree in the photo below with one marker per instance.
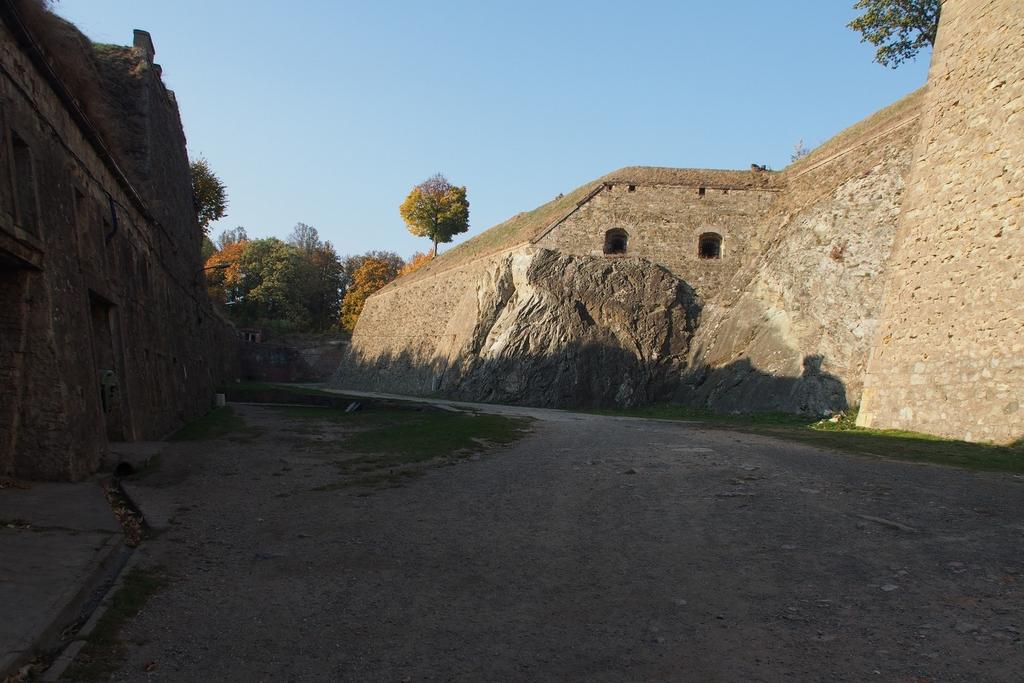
(436, 209)
(898, 28)
(321, 276)
(319, 285)
(271, 271)
(209, 195)
(270, 282)
(208, 248)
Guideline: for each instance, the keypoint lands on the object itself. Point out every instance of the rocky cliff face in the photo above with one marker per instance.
(548, 329)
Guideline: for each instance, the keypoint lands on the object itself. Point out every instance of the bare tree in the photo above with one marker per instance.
(305, 238)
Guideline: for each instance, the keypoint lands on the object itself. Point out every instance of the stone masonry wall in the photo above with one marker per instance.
(664, 224)
(395, 346)
(949, 357)
(787, 313)
(900, 240)
(792, 330)
(91, 281)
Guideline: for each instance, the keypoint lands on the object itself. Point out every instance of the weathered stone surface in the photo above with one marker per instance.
(949, 357)
(792, 329)
(664, 224)
(290, 360)
(101, 280)
(787, 310)
(550, 329)
(793, 306)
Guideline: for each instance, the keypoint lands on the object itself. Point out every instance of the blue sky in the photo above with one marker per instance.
(329, 112)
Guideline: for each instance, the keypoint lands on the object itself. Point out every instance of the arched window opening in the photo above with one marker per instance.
(710, 245)
(615, 241)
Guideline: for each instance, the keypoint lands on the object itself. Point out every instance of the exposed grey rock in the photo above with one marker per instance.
(549, 329)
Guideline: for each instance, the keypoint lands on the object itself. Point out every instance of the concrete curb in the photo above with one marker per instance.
(99, 606)
(67, 656)
(73, 604)
(155, 516)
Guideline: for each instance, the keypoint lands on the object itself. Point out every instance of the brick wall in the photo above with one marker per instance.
(949, 357)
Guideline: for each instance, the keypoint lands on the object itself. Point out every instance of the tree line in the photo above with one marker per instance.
(299, 284)
(302, 284)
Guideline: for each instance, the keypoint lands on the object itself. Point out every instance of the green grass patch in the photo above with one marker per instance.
(289, 394)
(672, 411)
(385, 447)
(242, 388)
(414, 436)
(104, 651)
(219, 423)
(330, 415)
(845, 435)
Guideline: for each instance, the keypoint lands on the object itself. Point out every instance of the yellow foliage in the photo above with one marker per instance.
(436, 209)
(224, 271)
(368, 278)
(416, 261)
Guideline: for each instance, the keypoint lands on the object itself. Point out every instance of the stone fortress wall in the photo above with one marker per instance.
(949, 356)
(810, 294)
(403, 332)
(664, 223)
(790, 313)
(798, 273)
(106, 332)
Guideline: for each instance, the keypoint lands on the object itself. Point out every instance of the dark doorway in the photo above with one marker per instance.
(106, 354)
(615, 241)
(13, 313)
(709, 245)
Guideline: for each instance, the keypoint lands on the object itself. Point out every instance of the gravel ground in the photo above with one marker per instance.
(597, 549)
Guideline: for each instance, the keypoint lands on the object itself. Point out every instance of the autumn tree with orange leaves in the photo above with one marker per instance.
(416, 261)
(367, 279)
(224, 272)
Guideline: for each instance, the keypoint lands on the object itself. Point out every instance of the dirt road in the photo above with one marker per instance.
(597, 549)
